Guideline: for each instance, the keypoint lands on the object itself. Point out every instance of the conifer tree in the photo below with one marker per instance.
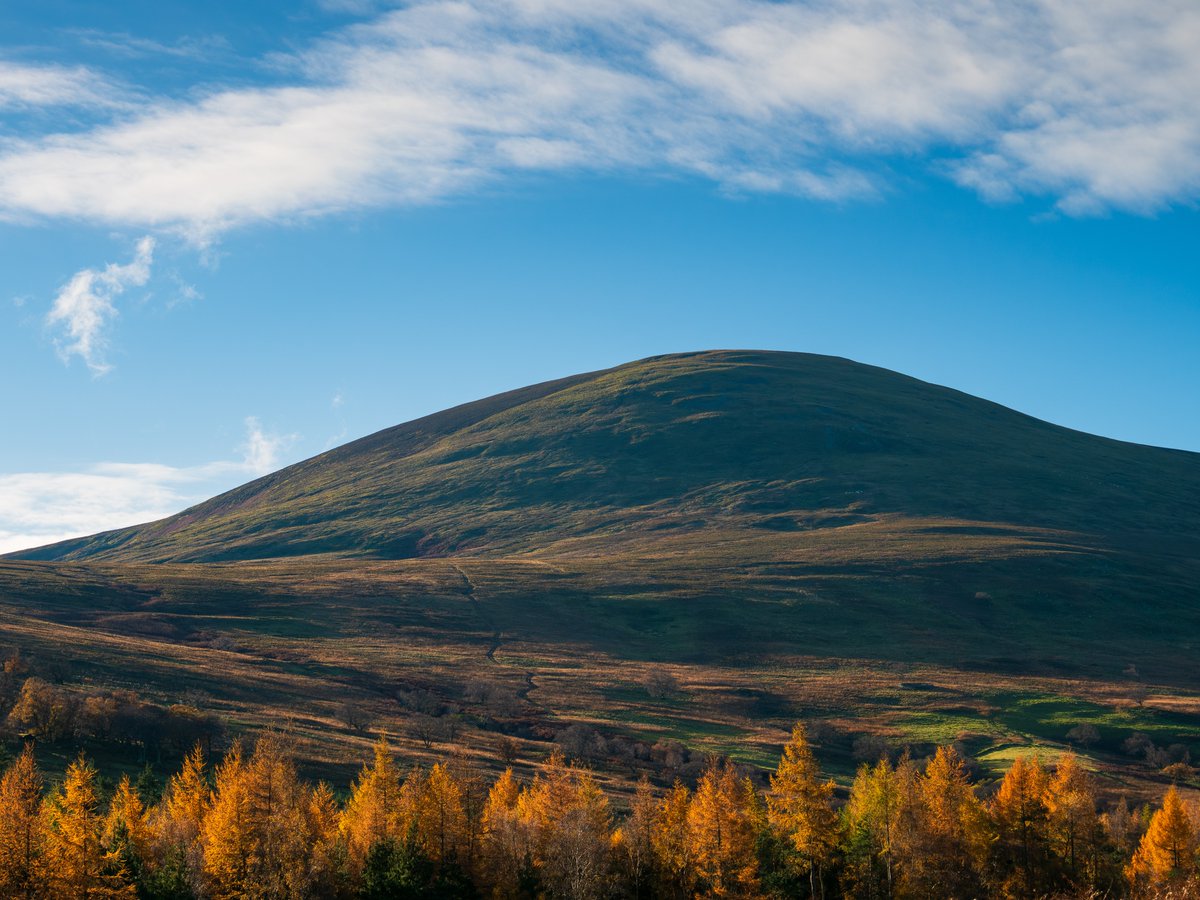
(23, 871)
(577, 856)
(506, 846)
(871, 820)
(225, 832)
(1122, 827)
(1167, 851)
(1021, 816)
(327, 862)
(127, 831)
(372, 813)
(672, 857)
(1074, 827)
(441, 820)
(944, 828)
(177, 820)
(799, 808)
(635, 840)
(79, 865)
(474, 791)
(721, 833)
(256, 836)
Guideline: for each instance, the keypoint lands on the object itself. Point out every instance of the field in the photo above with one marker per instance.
(562, 642)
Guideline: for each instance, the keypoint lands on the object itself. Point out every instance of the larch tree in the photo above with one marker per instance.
(506, 846)
(1122, 827)
(371, 814)
(721, 834)
(79, 865)
(945, 830)
(225, 832)
(278, 806)
(577, 858)
(23, 870)
(1167, 851)
(474, 790)
(1075, 832)
(176, 821)
(327, 859)
(800, 809)
(635, 840)
(127, 832)
(1021, 817)
(441, 822)
(669, 843)
(871, 821)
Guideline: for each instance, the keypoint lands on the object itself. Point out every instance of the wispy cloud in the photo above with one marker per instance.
(23, 85)
(262, 449)
(1091, 103)
(42, 507)
(84, 307)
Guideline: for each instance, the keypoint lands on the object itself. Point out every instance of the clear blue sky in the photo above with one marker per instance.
(236, 235)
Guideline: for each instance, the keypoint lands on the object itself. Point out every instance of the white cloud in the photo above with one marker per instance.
(84, 307)
(1093, 102)
(38, 508)
(38, 86)
(261, 450)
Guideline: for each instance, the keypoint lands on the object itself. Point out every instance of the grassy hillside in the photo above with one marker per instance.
(659, 450)
(789, 536)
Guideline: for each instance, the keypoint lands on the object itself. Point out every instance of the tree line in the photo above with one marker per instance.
(250, 827)
(33, 707)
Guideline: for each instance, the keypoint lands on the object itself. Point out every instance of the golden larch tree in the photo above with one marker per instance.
(178, 818)
(474, 790)
(127, 831)
(634, 840)
(506, 843)
(328, 852)
(944, 829)
(669, 843)
(1021, 817)
(1167, 851)
(256, 837)
(225, 829)
(721, 833)
(577, 861)
(1075, 830)
(800, 809)
(441, 820)
(79, 865)
(872, 818)
(23, 872)
(372, 811)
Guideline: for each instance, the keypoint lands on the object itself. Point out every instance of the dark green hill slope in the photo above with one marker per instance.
(678, 448)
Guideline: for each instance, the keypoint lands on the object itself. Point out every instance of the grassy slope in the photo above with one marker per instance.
(793, 535)
(683, 444)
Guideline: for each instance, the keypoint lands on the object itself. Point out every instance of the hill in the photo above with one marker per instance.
(680, 447)
(783, 535)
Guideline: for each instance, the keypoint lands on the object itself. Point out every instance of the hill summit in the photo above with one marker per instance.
(677, 451)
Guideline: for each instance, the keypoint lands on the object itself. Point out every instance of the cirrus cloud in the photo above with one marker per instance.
(1091, 103)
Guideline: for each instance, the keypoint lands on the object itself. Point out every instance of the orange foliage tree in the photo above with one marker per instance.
(23, 866)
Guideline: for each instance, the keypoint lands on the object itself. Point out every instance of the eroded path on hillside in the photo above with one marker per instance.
(497, 638)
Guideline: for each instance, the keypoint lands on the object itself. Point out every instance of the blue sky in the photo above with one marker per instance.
(234, 235)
